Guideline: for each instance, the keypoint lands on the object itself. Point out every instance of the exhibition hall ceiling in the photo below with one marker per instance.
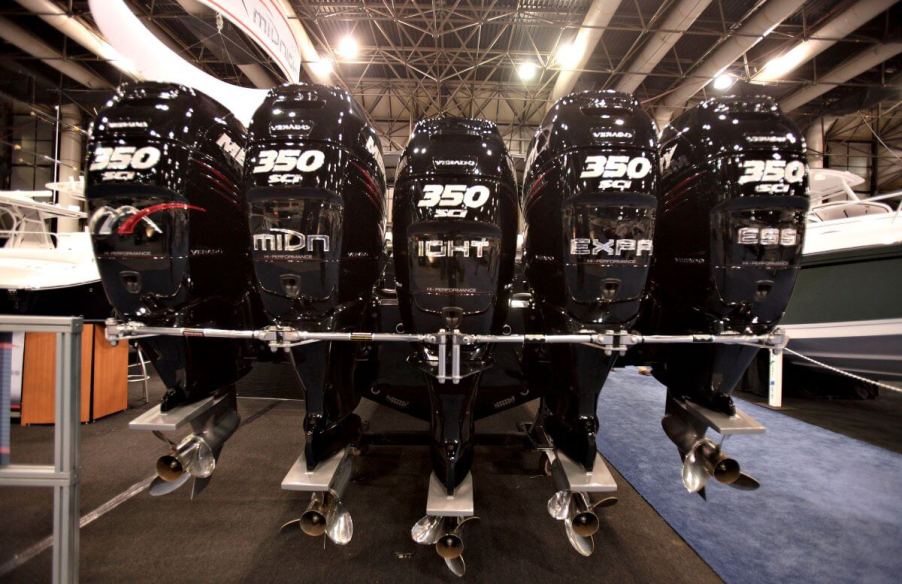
(506, 61)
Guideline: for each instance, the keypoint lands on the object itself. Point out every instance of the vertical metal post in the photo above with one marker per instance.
(65, 457)
(775, 389)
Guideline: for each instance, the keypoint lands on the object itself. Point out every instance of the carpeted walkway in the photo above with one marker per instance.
(829, 510)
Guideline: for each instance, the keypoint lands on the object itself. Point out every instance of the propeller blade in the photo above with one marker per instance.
(694, 474)
(339, 526)
(559, 505)
(584, 545)
(745, 482)
(293, 524)
(702, 493)
(160, 487)
(200, 483)
(457, 566)
(606, 502)
(427, 530)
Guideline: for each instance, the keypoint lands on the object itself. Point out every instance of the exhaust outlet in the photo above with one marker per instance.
(193, 455)
(450, 545)
(585, 521)
(313, 520)
(169, 468)
(723, 468)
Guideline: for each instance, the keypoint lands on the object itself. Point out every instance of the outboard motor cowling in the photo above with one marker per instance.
(589, 203)
(315, 185)
(454, 226)
(168, 225)
(731, 222)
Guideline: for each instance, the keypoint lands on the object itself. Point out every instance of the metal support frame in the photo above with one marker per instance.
(775, 383)
(285, 337)
(459, 504)
(62, 476)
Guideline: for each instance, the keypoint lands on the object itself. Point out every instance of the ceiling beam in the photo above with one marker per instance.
(678, 20)
(755, 28)
(845, 71)
(590, 31)
(38, 49)
(853, 18)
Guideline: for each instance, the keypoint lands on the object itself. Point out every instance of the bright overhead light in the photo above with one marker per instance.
(347, 47)
(527, 70)
(322, 67)
(567, 56)
(724, 81)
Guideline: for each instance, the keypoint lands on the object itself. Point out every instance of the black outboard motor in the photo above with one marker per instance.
(315, 184)
(454, 226)
(731, 220)
(589, 202)
(170, 231)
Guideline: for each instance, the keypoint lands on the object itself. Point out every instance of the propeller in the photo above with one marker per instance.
(325, 515)
(445, 534)
(706, 459)
(580, 519)
(584, 544)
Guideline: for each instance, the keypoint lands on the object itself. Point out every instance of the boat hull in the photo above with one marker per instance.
(857, 326)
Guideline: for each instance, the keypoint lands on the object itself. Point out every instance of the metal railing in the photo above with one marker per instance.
(62, 476)
(280, 337)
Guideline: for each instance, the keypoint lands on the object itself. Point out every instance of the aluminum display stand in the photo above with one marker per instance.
(62, 476)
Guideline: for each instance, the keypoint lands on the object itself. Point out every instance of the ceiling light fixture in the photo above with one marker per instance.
(348, 48)
(527, 70)
(724, 81)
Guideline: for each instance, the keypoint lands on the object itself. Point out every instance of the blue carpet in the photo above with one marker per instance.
(829, 508)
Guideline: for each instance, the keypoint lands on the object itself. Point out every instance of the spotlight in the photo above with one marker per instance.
(527, 70)
(724, 81)
(348, 48)
(568, 55)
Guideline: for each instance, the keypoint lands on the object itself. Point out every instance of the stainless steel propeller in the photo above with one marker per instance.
(585, 545)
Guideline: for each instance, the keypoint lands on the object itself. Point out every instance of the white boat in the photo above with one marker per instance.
(41, 271)
(846, 310)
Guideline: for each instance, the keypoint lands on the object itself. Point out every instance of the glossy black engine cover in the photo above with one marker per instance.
(454, 227)
(589, 204)
(315, 185)
(589, 199)
(168, 224)
(731, 221)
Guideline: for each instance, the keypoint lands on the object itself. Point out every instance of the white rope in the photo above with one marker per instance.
(843, 372)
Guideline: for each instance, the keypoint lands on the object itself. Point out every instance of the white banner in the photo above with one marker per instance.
(266, 23)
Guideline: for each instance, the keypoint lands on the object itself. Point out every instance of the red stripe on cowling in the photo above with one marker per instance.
(128, 227)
